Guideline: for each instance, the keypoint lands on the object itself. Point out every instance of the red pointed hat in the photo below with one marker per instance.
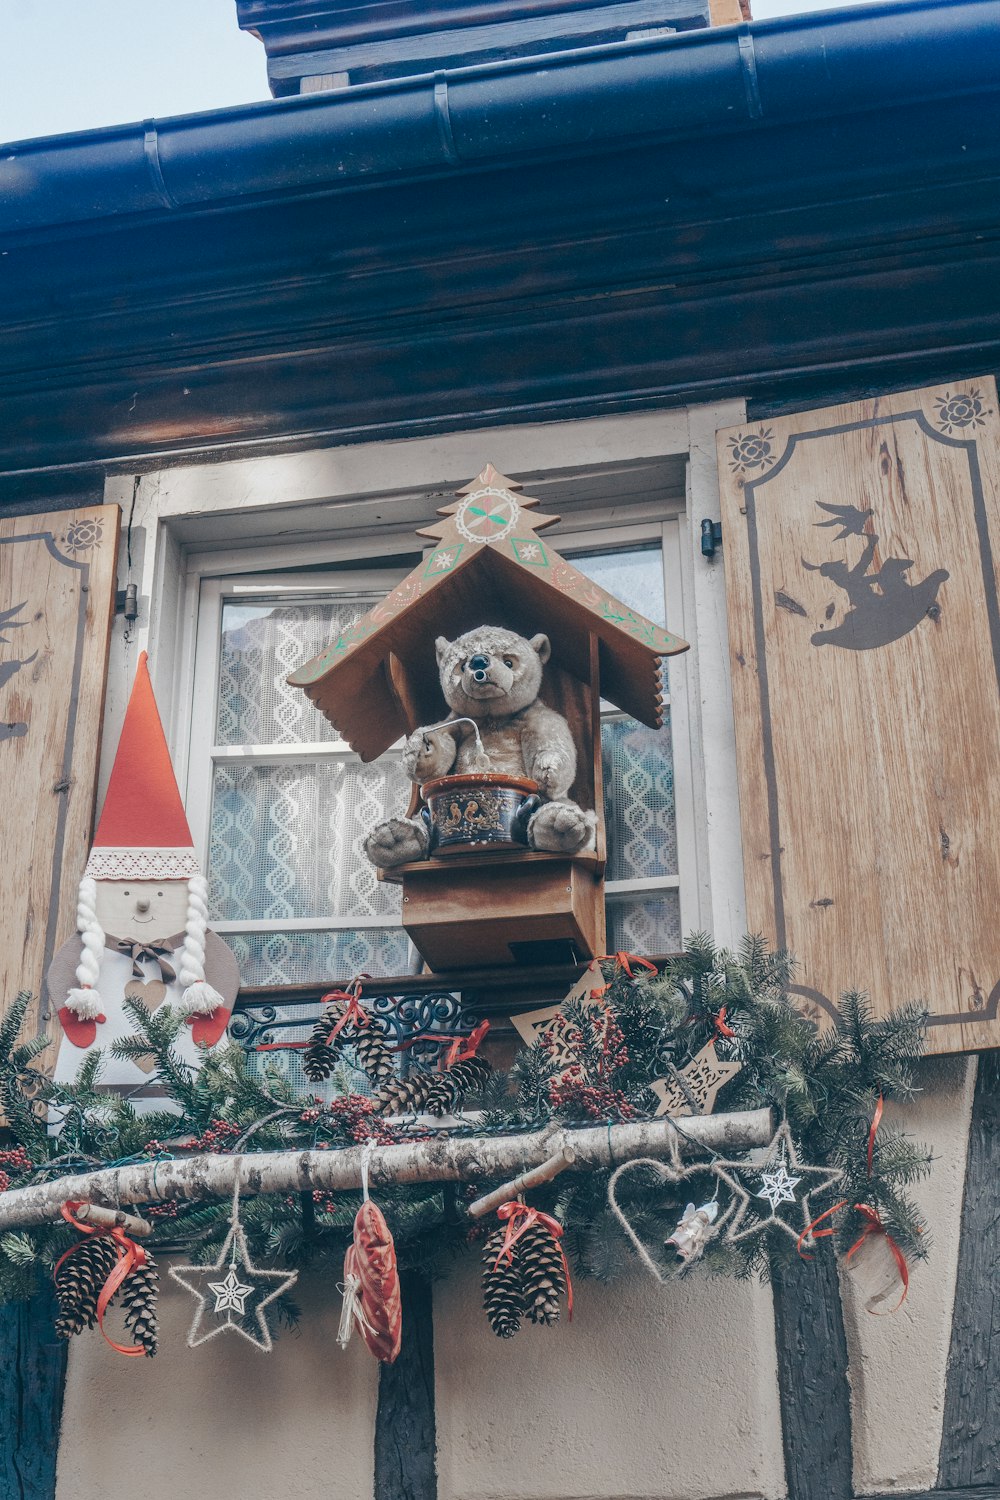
(143, 833)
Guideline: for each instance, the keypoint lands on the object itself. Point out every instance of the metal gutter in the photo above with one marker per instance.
(693, 84)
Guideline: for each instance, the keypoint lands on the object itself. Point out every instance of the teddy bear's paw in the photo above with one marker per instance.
(561, 828)
(396, 843)
(427, 754)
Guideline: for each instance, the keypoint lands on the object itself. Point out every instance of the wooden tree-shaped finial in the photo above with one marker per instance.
(488, 511)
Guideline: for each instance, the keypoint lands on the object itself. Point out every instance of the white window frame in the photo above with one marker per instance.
(364, 499)
(213, 585)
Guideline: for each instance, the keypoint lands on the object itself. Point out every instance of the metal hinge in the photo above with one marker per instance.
(711, 537)
(127, 602)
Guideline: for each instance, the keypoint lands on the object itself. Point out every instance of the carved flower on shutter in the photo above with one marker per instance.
(751, 450)
(84, 534)
(963, 409)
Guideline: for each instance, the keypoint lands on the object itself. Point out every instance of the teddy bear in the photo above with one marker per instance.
(493, 676)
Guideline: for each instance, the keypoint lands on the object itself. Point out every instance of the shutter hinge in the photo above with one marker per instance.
(127, 602)
(711, 537)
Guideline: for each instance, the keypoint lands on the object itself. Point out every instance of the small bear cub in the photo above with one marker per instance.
(494, 676)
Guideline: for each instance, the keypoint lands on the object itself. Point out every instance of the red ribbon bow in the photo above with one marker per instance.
(130, 1257)
(873, 1226)
(519, 1219)
(626, 960)
(458, 1053)
(354, 1011)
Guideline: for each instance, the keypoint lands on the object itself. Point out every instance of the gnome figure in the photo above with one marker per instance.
(142, 916)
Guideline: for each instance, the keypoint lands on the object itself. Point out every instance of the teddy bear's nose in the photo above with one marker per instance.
(479, 665)
(142, 903)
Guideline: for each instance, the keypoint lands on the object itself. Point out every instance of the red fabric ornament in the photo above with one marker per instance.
(371, 1286)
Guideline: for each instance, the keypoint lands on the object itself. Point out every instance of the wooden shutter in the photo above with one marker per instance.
(57, 581)
(860, 548)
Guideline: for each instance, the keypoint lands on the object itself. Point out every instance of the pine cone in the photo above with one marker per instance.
(320, 1057)
(454, 1083)
(503, 1294)
(539, 1261)
(374, 1055)
(79, 1282)
(407, 1096)
(139, 1296)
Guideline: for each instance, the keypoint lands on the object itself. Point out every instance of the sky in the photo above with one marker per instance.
(77, 64)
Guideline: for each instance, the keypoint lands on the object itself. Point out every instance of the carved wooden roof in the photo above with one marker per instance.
(378, 679)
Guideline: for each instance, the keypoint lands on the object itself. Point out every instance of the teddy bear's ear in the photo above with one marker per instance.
(542, 645)
(441, 647)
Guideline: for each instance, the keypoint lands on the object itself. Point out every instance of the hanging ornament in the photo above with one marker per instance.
(777, 1185)
(89, 1276)
(503, 1295)
(525, 1270)
(875, 1259)
(345, 1023)
(233, 1293)
(439, 1093)
(695, 1088)
(694, 1230)
(697, 1225)
(371, 1280)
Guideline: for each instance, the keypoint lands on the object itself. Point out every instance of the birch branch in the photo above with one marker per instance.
(449, 1159)
(563, 1158)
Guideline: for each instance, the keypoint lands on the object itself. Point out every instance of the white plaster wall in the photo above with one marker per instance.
(223, 1420)
(898, 1362)
(651, 1393)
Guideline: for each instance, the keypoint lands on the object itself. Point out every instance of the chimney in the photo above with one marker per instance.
(314, 45)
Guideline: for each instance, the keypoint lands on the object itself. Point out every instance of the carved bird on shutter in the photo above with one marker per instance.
(9, 669)
(7, 621)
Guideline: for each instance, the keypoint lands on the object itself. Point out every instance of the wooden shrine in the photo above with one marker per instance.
(378, 681)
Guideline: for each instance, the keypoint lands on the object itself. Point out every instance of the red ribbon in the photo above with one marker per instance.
(721, 1029)
(626, 960)
(873, 1226)
(457, 1053)
(876, 1121)
(353, 1012)
(130, 1257)
(519, 1219)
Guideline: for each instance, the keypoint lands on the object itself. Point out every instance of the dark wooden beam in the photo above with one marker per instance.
(812, 1379)
(405, 1430)
(970, 1443)
(32, 1376)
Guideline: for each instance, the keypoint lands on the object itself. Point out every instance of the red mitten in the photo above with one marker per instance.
(81, 1032)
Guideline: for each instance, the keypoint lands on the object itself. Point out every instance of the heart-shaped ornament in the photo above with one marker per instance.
(668, 1172)
(152, 992)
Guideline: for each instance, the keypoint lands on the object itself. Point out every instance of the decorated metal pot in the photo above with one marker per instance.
(482, 808)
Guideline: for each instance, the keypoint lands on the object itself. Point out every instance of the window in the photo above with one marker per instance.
(282, 805)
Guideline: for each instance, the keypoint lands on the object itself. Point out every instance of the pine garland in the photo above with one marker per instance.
(825, 1083)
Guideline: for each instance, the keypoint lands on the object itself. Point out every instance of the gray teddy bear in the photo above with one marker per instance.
(493, 676)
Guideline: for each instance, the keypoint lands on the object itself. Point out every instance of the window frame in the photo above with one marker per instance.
(215, 579)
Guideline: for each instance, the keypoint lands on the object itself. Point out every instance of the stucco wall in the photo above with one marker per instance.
(650, 1392)
(223, 1420)
(898, 1362)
